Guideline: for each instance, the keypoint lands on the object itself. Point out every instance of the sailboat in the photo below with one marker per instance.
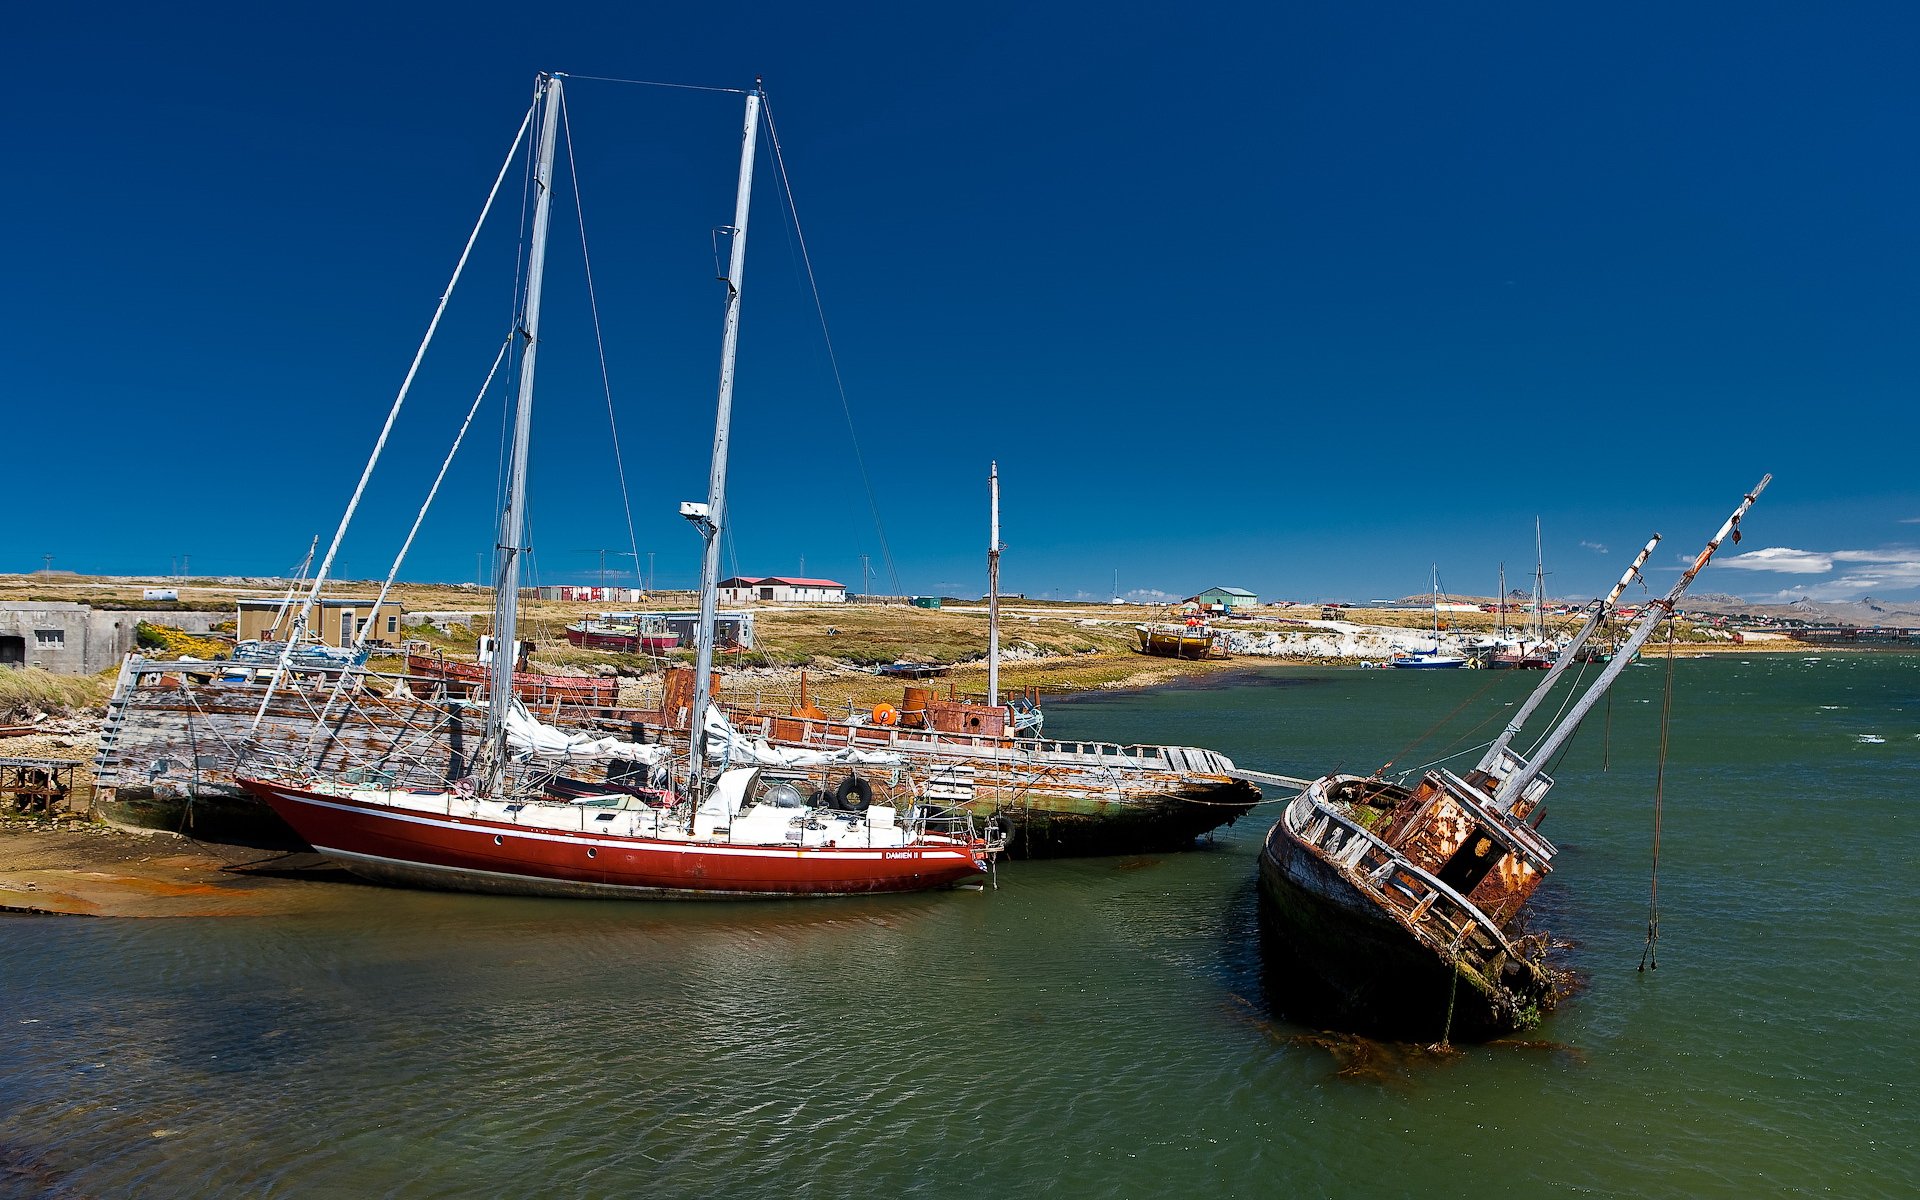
(1434, 658)
(1401, 908)
(737, 819)
(1535, 651)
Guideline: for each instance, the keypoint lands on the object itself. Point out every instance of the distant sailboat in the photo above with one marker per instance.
(1434, 659)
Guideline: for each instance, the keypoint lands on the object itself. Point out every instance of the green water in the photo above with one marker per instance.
(1091, 1028)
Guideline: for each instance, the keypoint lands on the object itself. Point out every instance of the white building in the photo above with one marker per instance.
(778, 589)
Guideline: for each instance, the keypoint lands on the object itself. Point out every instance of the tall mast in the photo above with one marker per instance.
(710, 517)
(1539, 588)
(1501, 607)
(513, 519)
(993, 586)
(1515, 785)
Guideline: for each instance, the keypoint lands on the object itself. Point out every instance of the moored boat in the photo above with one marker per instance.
(705, 829)
(1400, 908)
(1192, 639)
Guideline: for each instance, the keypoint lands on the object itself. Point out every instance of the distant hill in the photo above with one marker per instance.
(1867, 611)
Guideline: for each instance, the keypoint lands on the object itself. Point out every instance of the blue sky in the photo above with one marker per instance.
(1302, 298)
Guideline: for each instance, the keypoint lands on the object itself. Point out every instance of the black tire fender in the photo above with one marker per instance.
(853, 794)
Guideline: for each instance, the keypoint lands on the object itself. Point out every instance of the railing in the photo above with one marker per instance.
(1362, 855)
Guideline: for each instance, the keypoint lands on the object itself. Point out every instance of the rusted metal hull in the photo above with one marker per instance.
(1341, 952)
(456, 853)
(471, 679)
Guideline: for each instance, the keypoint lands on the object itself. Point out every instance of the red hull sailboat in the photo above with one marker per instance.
(704, 827)
(470, 844)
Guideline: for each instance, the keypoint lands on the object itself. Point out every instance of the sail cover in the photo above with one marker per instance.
(530, 739)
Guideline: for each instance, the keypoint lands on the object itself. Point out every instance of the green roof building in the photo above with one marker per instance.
(1225, 599)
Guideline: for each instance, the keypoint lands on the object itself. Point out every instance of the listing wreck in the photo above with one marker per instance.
(1400, 909)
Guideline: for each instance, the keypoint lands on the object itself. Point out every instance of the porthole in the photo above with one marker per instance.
(498, 840)
(592, 853)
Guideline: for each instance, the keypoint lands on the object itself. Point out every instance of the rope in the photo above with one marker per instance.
(599, 341)
(688, 87)
(1436, 726)
(833, 360)
(393, 413)
(1453, 991)
(1650, 954)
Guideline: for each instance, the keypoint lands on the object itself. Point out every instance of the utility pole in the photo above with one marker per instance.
(603, 571)
(866, 576)
(649, 583)
(49, 561)
(803, 566)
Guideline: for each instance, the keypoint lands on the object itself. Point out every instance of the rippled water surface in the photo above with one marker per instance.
(1091, 1028)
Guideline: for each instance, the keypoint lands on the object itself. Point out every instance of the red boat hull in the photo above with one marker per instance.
(466, 854)
(535, 689)
(650, 643)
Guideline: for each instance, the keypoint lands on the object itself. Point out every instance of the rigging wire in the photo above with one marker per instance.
(393, 414)
(1650, 954)
(689, 87)
(833, 359)
(386, 587)
(599, 339)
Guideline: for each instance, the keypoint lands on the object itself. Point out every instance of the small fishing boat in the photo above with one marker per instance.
(1400, 907)
(1191, 639)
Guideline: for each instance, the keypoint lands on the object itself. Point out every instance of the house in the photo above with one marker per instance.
(781, 589)
(335, 620)
(590, 593)
(1224, 600)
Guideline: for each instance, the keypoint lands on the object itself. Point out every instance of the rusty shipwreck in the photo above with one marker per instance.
(1400, 908)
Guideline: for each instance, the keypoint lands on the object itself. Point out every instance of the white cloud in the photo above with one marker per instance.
(1782, 560)
(1596, 547)
(1150, 596)
(1884, 573)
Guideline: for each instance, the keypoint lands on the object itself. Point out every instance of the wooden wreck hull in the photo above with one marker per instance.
(468, 854)
(1067, 827)
(1169, 644)
(1053, 799)
(1336, 955)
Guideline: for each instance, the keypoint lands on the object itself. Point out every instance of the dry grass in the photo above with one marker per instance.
(27, 693)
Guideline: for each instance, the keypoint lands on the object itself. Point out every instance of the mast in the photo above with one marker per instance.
(1660, 610)
(513, 518)
(1500, 609)
(993, 586)
(1491, 759)
(1539, 588)
(709, 518)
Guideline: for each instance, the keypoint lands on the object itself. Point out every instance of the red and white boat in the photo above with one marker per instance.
(740, 844)
(631, 635)
(717, 829)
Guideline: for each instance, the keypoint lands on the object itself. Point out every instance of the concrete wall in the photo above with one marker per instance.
(78, 639)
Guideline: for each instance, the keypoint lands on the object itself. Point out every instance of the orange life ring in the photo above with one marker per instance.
(885, 714)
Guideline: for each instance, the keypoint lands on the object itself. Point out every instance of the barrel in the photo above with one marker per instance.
(913, 707)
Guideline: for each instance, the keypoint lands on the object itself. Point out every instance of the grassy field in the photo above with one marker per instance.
(1053, 647)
